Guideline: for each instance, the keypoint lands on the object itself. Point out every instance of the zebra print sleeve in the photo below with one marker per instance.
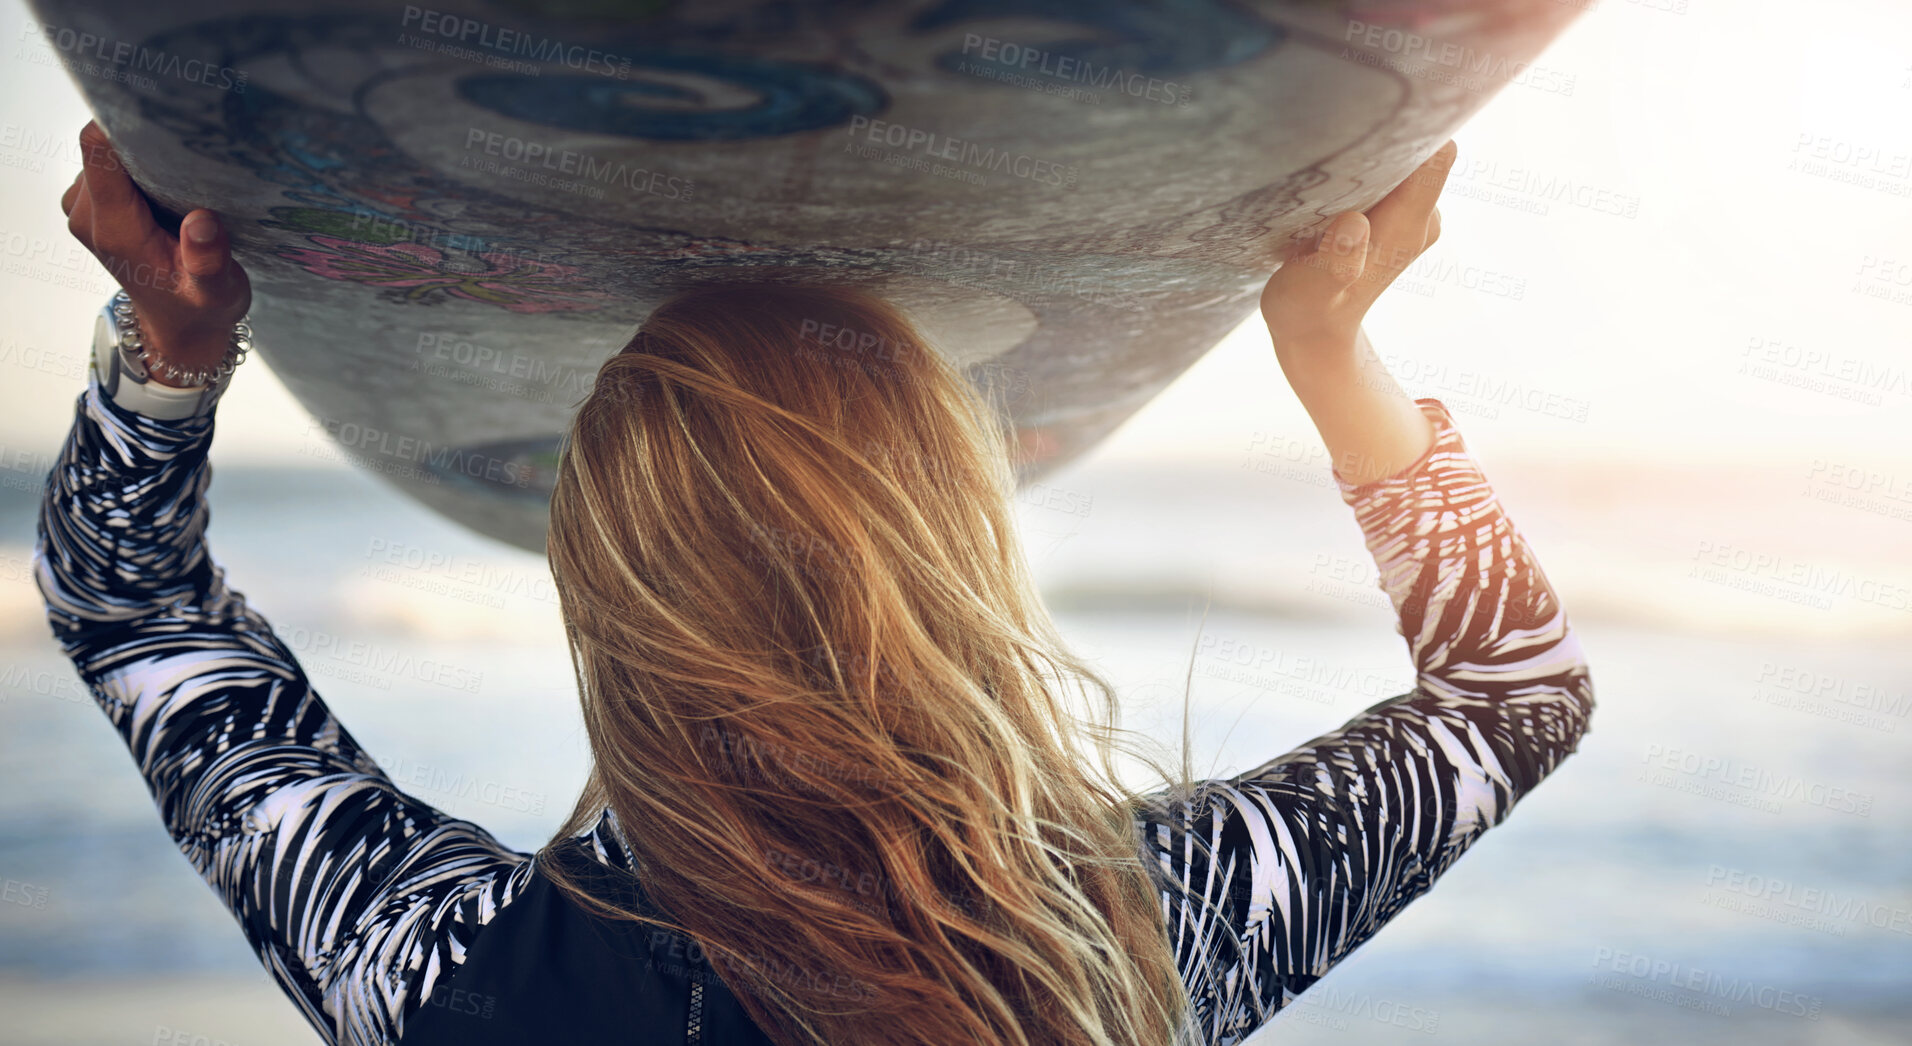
(1273, 876)
(357, 897)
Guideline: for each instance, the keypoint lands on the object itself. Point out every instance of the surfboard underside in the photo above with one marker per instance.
(452, 214)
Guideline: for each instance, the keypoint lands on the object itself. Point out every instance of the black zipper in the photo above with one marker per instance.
(694, 1031)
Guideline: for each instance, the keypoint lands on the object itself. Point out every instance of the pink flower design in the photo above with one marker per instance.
(512, 281)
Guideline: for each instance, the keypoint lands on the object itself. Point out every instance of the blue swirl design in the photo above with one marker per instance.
(794, 97)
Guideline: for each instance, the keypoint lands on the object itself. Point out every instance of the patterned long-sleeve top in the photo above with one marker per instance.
(384, 918)
(1300, 860)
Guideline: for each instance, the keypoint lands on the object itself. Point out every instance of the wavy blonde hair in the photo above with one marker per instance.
(825, 701)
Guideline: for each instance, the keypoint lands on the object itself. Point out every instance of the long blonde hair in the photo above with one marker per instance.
(824, 698)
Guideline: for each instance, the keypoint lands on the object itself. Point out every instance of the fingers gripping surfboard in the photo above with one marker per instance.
(452, 212)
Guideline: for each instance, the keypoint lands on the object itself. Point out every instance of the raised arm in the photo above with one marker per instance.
(356, 896)
(1273, 876)
(1295, 863)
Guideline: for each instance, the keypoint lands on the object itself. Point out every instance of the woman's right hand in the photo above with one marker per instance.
(1314, 305)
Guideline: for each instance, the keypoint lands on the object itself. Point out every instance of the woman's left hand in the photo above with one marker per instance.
(187, 290)
(1315, 302)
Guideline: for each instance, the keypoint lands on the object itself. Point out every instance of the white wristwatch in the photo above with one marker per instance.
(125, 379)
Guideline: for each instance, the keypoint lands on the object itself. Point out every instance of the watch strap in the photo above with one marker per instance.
(128, 386)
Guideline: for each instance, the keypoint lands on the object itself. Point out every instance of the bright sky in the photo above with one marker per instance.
(1765, 157)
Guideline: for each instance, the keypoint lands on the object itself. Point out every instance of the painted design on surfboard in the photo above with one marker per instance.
(795, 98)
(416, 271)
(363, 206)
(349, 177)
(340, 165)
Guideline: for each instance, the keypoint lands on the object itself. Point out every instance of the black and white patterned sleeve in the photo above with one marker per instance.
(358, 898)
(1273, 876)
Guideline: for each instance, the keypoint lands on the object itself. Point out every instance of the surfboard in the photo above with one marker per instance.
(452, 213)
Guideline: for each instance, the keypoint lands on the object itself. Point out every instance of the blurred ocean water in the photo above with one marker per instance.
(1724, 860)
